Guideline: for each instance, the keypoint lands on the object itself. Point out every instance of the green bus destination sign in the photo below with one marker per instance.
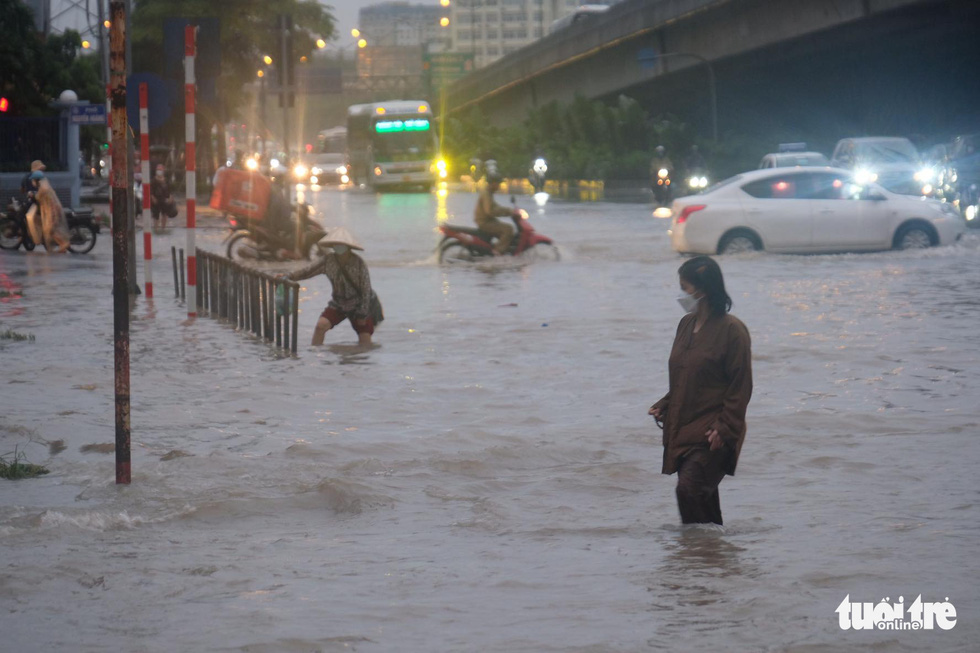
(414, 125)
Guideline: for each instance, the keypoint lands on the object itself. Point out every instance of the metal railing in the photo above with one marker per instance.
(245, 297)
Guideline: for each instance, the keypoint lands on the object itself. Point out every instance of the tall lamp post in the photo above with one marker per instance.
(711, 85)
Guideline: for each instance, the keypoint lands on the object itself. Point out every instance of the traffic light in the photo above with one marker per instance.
(4, 104)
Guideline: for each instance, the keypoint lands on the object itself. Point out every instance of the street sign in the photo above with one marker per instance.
(441, 68)
(87, 114)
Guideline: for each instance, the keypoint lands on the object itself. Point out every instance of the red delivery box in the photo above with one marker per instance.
(243, 193)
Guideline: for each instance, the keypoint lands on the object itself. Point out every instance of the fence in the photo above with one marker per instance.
(245, 297)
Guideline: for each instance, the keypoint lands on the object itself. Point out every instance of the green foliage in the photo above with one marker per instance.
(35, 70)
(247, 33)
(17, 467)
(588, 139)
(15, 336)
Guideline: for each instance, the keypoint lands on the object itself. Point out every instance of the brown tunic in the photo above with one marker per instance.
(710, 386)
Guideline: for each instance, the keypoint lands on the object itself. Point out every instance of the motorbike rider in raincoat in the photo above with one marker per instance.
(487, 211)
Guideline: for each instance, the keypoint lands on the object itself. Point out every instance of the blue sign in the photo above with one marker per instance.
(647, 58)
(161, 97)
(87, 114)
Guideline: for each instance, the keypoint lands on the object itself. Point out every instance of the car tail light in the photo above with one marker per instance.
(688, 210)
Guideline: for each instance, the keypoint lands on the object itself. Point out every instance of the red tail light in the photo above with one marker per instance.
(688, 210)
(233, 222)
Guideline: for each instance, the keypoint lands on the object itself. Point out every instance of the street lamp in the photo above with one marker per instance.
(267, 59)
(320, 43)
(355, 32)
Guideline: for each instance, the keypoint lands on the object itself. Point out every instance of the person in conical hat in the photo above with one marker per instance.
(351, 282)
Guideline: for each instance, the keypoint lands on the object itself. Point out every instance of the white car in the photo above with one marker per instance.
(807, 210)
(790, 159)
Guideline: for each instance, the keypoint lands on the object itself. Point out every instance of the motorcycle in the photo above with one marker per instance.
(467, 244)
(256, 240)
(697, 180)
(82, 228)
(537, 174)
(662, 192)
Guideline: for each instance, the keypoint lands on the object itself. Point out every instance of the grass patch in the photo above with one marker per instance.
(18, 467)
(10, 334)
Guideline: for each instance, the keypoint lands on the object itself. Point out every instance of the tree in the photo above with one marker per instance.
(34, 70)
(248, 30)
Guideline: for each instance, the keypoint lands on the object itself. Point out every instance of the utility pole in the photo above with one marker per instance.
(121, 209)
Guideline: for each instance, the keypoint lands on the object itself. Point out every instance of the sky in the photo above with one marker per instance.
(345, 11)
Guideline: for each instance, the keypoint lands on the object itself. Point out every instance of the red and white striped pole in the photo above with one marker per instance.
(190, 157)
(147, 186)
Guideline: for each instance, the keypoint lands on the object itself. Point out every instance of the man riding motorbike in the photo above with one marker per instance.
(661, 167)
(487, 211)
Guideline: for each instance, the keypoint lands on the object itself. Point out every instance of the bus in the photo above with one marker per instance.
(393, 144)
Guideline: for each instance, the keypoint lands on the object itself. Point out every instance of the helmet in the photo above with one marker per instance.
(494, 177)
(659, 150)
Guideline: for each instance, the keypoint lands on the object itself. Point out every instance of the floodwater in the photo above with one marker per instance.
(486, 478)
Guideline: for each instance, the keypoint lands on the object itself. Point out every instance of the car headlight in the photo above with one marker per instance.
(251, 164)
(341, 170)
(315, 170)
(971, 213)
(300, 170)
(865, 176)
(925, 175)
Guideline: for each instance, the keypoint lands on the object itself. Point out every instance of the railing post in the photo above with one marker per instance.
(294, 307)
(173, 256)
(181, 256)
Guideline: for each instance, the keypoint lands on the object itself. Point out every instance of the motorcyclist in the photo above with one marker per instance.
(660, 182)
(279, 214)
(537, 172)
(487, 211)
(659, 161)
(694, 161)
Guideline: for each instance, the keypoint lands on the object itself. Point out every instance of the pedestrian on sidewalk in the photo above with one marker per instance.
(162, 202)
(353, 298)
(710, 383)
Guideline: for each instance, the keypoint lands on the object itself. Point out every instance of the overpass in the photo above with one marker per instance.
(658, 50)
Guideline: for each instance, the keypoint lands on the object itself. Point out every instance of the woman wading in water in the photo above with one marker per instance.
(703, 412)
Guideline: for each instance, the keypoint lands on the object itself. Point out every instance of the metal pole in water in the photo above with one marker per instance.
(182, 285)
(120, 237)
(173, 257)
(190, 161)
(294, 306)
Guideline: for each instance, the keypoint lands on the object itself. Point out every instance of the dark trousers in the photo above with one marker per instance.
(698, 476)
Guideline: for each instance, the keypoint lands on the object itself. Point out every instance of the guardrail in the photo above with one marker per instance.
(247, 298)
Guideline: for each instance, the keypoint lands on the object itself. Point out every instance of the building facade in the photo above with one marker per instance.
(491, 29)
(398, 35)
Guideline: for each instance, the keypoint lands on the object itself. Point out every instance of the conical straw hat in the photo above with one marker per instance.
(339, 236)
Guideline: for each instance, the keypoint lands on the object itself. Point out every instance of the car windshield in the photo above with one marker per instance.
(722, 183)
(403, 146)
(887, 152)
(801, 160)
(332, 158)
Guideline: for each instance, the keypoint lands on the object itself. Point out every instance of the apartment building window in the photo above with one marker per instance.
(514, 17)
(537, 32)
(492, 34)
(493, 18)
(493, 50)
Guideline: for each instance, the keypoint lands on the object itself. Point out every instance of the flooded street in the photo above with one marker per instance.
(486, 478)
